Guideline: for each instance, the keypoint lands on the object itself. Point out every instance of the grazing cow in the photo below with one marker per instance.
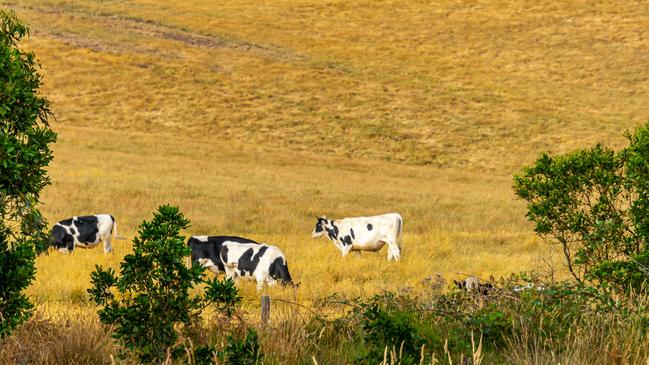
(473, 284)
(261, 262)
(363, 233)
(206, 249)
(85, 232)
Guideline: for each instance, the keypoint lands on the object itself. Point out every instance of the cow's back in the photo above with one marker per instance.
(87, 228)
(209, 247)
(104, 223)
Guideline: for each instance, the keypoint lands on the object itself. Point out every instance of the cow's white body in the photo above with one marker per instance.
(253, 261)
(363, 233)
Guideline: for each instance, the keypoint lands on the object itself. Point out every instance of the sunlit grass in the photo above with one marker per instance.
(483, 86)
(455, 223)
(254, 117)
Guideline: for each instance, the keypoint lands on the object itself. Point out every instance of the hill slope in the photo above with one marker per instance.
(484, 86)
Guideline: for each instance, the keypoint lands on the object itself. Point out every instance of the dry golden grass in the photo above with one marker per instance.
(454, 223)
(254, 117)
(479, 85)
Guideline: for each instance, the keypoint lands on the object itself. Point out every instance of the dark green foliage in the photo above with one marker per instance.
(595, 204)
(236, 351)
(444, 324)
(150, 301)
(242, 351)
(25, 137)
(399, 322)
(392, 328)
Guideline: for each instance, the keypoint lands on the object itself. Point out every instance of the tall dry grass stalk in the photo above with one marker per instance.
(591, 342)
(393, 356)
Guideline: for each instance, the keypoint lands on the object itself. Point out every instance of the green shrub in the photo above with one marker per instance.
(242, 351)
(450, 324)
(150, 301)
(595, 204)
(25, 137)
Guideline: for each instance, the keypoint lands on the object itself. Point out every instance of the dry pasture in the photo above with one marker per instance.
(254, 117)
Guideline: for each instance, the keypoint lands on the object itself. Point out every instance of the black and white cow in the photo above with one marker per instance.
(240, 257)
(85, 232)
(206, 250)
(363, 233)
(253, 261)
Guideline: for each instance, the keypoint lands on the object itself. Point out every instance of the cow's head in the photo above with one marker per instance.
(320, 227)
(61, 240)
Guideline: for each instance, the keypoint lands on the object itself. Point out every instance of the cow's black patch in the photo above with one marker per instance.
(211, 249)
(247, 263)
(223, 255)
(318, 228)
(333, 232)
(346, 240)
(278, 270)
(260, 253)
(66, 222)
(351, 231)
(369, 226)
(60, 238)
(87, 229)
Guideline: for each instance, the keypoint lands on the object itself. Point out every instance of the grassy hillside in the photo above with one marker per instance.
(254, 117)
(480, 85)
(454, 223)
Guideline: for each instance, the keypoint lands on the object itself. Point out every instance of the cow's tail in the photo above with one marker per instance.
(117, 237)
(399, 230)
(114, 226)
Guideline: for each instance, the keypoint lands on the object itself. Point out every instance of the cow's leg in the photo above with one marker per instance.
(394, 249)
(346, 250)
(108, 248)
(260, 282)
(270, 281)
(230, 273)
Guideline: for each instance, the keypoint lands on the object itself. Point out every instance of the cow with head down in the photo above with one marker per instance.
(241, 257)
(84, 231)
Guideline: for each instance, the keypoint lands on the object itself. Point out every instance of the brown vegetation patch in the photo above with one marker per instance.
(70, 339)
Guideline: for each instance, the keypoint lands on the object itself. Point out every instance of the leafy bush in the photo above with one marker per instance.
(25, 137)
(389, 327)
(595, 204)
(150, 300)
(450, 324)
(398, 322)
(242, 351)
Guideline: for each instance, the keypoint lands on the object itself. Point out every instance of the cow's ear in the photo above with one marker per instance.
(458, 284)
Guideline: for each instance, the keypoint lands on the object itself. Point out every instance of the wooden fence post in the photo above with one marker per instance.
(265, 309)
